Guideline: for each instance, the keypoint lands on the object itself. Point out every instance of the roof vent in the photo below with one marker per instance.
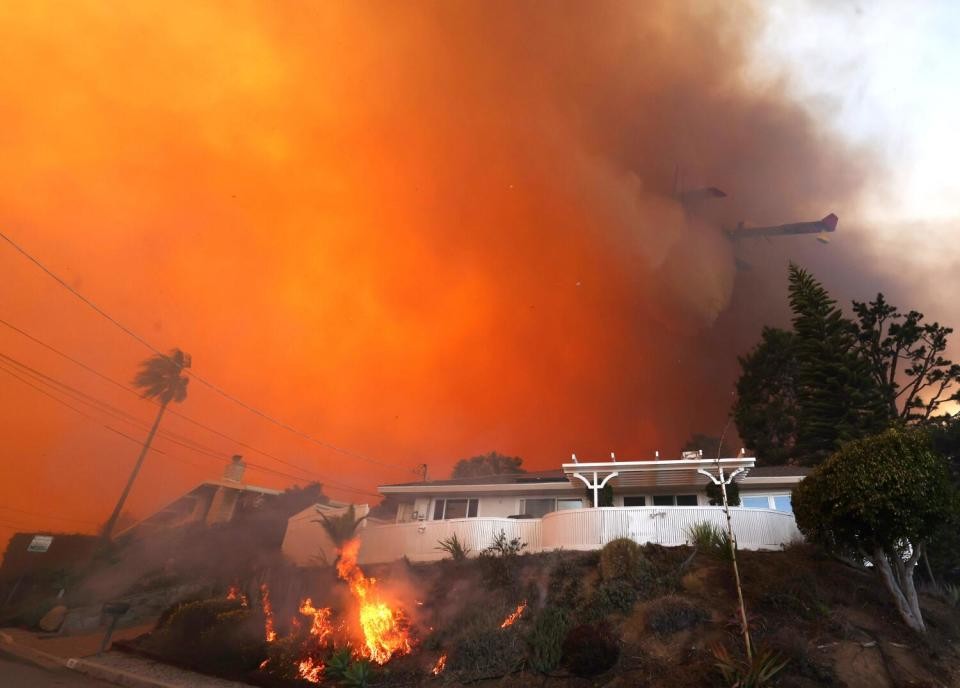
(691, 455)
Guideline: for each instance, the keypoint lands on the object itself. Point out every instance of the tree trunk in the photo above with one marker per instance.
(904, 598)
(112, 521)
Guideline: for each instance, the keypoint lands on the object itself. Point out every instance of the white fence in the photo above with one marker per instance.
(575, 529)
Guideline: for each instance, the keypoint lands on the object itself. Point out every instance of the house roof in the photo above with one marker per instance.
(780, 471)
(644, 473)
(502, 479)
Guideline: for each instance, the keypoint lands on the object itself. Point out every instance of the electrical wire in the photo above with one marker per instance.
(219, 390)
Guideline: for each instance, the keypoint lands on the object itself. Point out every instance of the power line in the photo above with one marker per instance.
(173, 411)
(58, 518)
(211, 385)
(105, 407)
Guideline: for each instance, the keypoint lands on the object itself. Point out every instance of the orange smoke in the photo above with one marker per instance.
(382, 624)
(411, 229)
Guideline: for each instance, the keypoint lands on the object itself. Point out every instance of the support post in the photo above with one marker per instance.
(596, 485)
(724, 480)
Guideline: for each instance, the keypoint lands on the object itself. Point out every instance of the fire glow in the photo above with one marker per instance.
(233, 593)
(516, 614)
(384, 627)
(320, 627)
(310, 670)
(439, 666)
(268, 629)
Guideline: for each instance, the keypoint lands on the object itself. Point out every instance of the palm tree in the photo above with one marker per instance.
(342, 528)
(161, 378)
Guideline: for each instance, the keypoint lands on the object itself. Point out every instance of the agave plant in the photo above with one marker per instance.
(342, 528)
(453, 547)
(757, 672)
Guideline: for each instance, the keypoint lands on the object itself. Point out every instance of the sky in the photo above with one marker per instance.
(418, 233)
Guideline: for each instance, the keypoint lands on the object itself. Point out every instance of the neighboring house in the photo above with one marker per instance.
(653, 501)
(210, 502)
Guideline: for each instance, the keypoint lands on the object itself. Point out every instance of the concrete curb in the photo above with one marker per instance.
(90, 668)
(118, 676)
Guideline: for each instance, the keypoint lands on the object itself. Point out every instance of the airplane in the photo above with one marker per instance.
(818, 227)
(690, 199)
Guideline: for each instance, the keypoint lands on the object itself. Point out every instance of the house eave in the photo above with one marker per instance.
(475, 489)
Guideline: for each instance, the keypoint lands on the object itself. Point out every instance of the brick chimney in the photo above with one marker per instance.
(234, 470)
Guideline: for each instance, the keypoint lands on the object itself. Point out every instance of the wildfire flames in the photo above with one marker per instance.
(321, 627)
(310, 670)
(384, 627)
(268, 629)
(233, 593)
(439, 666)
(514, 615)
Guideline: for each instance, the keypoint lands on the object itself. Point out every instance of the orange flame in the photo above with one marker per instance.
(439, 666)
(509, 621)
(310, 670)
(268, 629)
(383, 629)
(263, 664)
(233, 593)
(320, 627)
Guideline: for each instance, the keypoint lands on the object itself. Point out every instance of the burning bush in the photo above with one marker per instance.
(482, 647)
(590, 649)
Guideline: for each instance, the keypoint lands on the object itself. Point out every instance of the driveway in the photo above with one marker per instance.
(16, 674)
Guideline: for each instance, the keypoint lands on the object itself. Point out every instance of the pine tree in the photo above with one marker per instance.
(839, 399)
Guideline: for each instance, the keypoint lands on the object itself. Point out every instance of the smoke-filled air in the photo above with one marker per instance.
(415, 231)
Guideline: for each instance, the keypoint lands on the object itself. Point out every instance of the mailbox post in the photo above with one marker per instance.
(114, 610)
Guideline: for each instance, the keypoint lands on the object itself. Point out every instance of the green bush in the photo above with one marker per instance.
(215, 636)
(545, 642)
(668, 615)
(499, 561)
(565, 587)
(611, 596)
(589, 650)
(709, 538)
(623, 559)
(882, 499)
(453, 547)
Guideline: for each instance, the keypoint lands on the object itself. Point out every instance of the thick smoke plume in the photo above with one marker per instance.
(420, 230)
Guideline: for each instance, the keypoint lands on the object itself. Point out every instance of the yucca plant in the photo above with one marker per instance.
(338, 664)
(358, 674)
(342, 528)
(453, 547)
(757, 672)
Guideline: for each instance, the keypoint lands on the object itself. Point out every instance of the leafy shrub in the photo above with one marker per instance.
(590, 649)
(216, 636)
(612, 596)
(716, 495)
(481, 649)
(565, 587)
(623, 559)
(545, 642)
(668, 615)
(499, 560)
(742, 673)
(453, 547)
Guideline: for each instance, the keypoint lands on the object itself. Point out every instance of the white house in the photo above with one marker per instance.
(653, 501)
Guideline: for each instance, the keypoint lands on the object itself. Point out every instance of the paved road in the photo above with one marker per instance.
(16, 674)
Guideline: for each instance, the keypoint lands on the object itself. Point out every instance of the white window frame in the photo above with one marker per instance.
(443, 515)
(770, 497)
(524, 500)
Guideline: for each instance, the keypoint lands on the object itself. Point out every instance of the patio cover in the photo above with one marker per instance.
(653, 473)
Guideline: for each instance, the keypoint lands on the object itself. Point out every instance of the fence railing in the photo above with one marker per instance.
(575, 529)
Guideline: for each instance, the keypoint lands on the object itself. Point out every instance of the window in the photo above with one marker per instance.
(783, 503)
(635, 500)
(779, 502)
(675, 500)
(445, 509)
(538, 507)
(541, 507)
